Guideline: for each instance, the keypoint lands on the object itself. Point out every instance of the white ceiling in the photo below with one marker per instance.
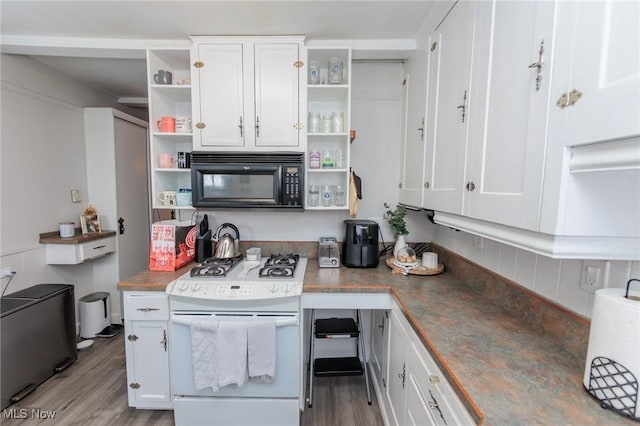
(26, 25)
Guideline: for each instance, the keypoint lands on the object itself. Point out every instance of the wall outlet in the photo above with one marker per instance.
(594, 274)
(75, 196)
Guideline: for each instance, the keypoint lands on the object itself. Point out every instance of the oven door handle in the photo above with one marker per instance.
(279, 322)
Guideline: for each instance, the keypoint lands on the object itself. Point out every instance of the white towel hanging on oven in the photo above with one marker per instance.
(232, 353)
(262, 350)
(205, 354)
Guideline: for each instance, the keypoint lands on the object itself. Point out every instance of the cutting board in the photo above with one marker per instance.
(419, 270)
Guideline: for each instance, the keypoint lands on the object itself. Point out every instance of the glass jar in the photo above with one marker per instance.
(327, 123)
(338, 122)
(334, 74)
(314, 122)
(314, 72)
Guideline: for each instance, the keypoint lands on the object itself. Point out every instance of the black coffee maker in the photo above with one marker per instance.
(360, 244)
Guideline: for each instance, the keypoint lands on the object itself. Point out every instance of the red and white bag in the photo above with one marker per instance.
(173, 245)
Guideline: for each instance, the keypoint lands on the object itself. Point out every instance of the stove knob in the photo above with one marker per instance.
(286, 288)
(195, 287)
(273, 288)
(183, 286)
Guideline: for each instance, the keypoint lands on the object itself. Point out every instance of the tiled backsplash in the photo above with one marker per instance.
(554, 279)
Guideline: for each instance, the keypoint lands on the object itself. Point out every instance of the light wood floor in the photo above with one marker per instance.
(93, 392)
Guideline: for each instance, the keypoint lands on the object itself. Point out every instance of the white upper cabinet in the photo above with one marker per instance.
(277, 120)
(449, 93)
(413, 138)
(547, 156)
(245, 93)
(218, 96)
(508, 112)
(603, 63)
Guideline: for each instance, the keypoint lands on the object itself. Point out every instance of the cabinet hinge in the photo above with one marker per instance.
(298, 64)
(132, 337)
(200, 125)
(569, 99)
(134, 385)
(198, 64)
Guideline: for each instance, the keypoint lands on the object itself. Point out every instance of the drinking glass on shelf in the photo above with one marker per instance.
(327, 196)
(314, 72)
(314, 195)
(339, 196)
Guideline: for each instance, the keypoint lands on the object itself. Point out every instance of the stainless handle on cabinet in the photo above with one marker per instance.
(427, 185)
(463, 107)
(164, 339)
(99, 247)
(257, 127)
(403, 375)
(241, 127)
(538, 65)
(470, 186)
(421, 129)
(147, 309)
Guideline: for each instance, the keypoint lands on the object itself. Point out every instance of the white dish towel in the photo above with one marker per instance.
(262, 350)
(232, 353)
(204, 349)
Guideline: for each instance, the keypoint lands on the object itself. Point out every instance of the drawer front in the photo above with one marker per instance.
(97, 248)
(146, 306)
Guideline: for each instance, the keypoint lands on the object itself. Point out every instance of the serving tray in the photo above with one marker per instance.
(419, 270)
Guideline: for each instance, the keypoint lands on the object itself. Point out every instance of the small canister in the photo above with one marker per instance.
(67, 229)
(254, 253)
(430, 260)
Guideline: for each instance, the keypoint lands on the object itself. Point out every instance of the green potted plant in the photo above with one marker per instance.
(395, 219)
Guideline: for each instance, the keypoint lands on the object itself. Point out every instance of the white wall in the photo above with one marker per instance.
(42, 149)
(375, 156)
(555, 279)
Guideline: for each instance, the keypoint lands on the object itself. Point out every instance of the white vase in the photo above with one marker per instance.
(400, 244)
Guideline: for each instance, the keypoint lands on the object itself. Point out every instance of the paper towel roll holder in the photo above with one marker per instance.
(627, 293)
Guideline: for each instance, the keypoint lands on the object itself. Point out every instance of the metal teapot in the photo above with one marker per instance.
(225, 245)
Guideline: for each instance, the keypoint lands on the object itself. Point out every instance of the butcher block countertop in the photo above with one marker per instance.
(506, 370)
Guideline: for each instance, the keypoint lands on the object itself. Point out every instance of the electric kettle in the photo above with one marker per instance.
(225, 245)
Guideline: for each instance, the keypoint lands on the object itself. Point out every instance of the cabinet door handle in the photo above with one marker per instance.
(121, 226)
(241, 127)
(99, 247)
(147, 309)
(538, 65)
(470, 186)
(164, 339)
(257, 127)
(421, 130)
(403, 375)
(463, 107)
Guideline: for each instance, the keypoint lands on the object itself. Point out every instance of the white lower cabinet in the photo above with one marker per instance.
(414, 391)
(146, 329)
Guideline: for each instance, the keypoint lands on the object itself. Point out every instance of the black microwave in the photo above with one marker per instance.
(248, 180)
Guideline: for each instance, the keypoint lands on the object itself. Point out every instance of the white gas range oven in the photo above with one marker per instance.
(222, 290)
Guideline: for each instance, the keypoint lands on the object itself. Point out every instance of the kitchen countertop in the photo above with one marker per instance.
(509, 372)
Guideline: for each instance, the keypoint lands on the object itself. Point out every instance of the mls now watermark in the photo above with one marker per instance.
(25, 413)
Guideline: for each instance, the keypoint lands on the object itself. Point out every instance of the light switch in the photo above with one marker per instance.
(75, 195)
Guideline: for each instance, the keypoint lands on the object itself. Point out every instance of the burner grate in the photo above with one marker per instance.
(215, 267)
(279, 266)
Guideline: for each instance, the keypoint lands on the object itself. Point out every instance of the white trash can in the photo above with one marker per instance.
(95, 314)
